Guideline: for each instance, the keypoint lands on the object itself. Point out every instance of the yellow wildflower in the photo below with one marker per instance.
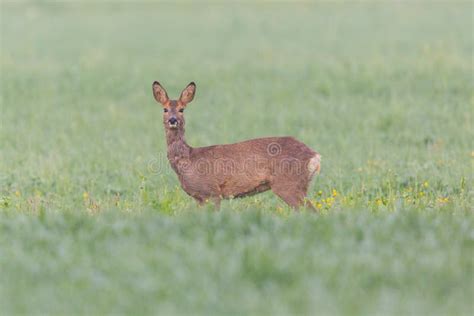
(17, 193)
(426, 184)
(329, 201)
(334, 192)
(443, 200)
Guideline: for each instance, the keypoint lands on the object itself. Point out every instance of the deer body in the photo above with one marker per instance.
(282, 164)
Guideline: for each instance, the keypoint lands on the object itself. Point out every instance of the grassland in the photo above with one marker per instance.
(92, 219)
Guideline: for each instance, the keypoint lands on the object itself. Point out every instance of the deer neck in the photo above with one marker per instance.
(177, 147)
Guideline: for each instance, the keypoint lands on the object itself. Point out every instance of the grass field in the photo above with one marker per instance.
(92, 218)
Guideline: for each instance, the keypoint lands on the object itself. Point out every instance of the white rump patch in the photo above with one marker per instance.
(314, 165)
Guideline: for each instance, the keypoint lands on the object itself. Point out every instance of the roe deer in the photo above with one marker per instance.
(282, 164)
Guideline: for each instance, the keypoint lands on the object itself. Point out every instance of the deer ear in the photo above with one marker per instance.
(188, 93)
(160, 93)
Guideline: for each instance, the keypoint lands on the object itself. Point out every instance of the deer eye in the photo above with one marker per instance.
(181, 110)
(165, 110)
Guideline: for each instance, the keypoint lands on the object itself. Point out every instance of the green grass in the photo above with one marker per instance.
(251, 262)
(92, 219)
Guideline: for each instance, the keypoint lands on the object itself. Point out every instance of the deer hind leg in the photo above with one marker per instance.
(292, 198)
(290, 193)
(293, 195)
(309, 205)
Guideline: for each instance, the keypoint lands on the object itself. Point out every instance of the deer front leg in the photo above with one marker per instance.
(217, 203)
(202, 202)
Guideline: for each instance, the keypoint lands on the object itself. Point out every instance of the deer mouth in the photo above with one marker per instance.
(173, 125)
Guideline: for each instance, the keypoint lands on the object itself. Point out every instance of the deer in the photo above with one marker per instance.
(283, 165)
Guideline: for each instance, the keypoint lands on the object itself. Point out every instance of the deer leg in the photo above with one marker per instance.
(199, 201)
(215, 200)
(217, 203)
(293, 198)
(309, 205)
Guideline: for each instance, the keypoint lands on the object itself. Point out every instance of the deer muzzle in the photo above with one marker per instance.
(173, 122)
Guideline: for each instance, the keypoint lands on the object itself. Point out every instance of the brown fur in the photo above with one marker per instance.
(282, 164)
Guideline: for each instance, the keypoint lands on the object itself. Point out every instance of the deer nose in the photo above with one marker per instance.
(173, 121)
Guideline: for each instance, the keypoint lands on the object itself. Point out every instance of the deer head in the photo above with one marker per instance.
(173, 110)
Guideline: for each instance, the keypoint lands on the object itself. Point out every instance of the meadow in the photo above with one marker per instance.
(92, 218)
